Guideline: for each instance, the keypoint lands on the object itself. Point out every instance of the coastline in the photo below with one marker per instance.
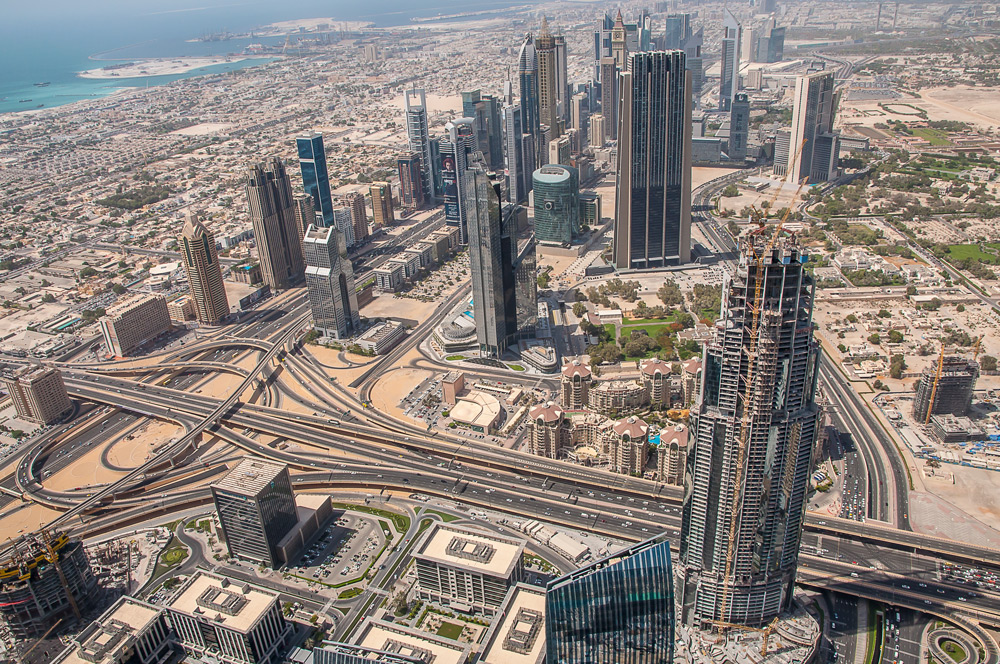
(164, 66)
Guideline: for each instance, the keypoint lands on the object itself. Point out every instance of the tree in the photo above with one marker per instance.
(685, 319)
(87, 272)
(118, 289)
(933, 305)
(731, 191)
(48, 297)
(670, 293)
(897, 365)
(911, 291)
(543, 280)
(988, 363)
(884, 313)
(851, 318)
(579, 309)
(877, 384)
(874, 339)
(895, 336)
(960, 308)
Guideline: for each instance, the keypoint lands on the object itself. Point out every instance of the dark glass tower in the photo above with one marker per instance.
(653, 185)
(739, 127)
(330, 283)
(315, 179)
(753, 428)
(256, 509)
(527, 73)
(517, 184)
(617, 609)
(456, 149)
(557, 204)
(419, 136)
(272, 213)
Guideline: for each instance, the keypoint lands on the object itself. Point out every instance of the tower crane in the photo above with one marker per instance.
(758, 215)
(765, 631)
(934, 388)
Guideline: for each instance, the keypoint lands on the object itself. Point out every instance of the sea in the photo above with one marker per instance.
(52, 41)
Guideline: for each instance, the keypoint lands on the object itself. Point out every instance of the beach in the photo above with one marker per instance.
(164, 66)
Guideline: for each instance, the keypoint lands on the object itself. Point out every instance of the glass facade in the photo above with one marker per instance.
(330, 283)
(557, 204)
(315, 180)
(255, 521)
(618, 609)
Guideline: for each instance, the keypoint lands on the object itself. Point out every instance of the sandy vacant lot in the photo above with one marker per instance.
(131, 453)
(979, 106)
(20, 519)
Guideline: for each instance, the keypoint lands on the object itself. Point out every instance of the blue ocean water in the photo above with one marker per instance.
(53, 41)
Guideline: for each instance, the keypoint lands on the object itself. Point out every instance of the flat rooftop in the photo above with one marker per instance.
(473, 550)
(250, 476)
(519, 636)
(107, 638)
(405, 641)
(233, 604)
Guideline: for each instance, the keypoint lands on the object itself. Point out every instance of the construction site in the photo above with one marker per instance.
(46, 584)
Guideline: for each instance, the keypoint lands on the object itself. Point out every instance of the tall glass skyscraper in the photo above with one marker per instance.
(732, 36)
(513, 136)
(455, 149)
(753, 429)
(527, 73)
(272, 213)
(557, 204)
(419, 135)
(653, 185)
(330, 282)
(617, 609)
(315, 179)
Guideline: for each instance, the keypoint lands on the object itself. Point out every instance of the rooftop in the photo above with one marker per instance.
(405, 641)
(250, 476)
(477, 409)
(519, 636)
(235, 605)
(107, 638)
(474, 550)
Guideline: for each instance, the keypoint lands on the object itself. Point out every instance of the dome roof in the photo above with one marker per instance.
(633, 427)
(548, 412)
(576, 368)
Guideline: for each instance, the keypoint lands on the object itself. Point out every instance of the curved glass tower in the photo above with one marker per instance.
(557, 204)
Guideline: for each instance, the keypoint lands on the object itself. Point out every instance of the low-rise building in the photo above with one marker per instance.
(181, 309)
(382, 337)
(478, 411)
(452, 386)
(133, 322)
(390, 276)
(381, 636)
(618, 397)
(467, 570)
(130, 631)
(518, 636)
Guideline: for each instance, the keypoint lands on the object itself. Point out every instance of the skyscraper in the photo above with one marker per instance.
(315, 180)
(562, 78)
(548, 79)
(359, 214)
(618, 609)
(256, 508)
(680, 35)
(343, 221)
(752, 433)
(739, 127)
(411, 188)
(770, 46)
(38, 392)
(813, 145)
(201, 262)
(269, 197)
(527, 74)
(455, 150)
(653, 184)
(732, 35)
(954, 391)
(304, 211)
(619, 44)
(484, 110)
(557, 204)
(383, 212)
(419, 136)
(609, 97)
(513, 136)
(492, 248)
(330, 283)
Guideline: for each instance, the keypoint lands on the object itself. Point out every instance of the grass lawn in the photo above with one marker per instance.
(455, 358)
(955, 651)
(450, 631)
(610, 329)
(962, 251)
(652, 329)
(515, 367)
(444, 517)
(640, 321)
(935, 136)
(349, 593)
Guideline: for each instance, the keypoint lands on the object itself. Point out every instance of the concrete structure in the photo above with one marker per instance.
(38, 392)
(518, 636)
(359, 216)
(954, 389)
(269, 197)
(812, 130)
(549, 431)
(671, 454)
(231, 621)
(478, 411)
(952, 429)
(419, 136)
(304, 211)
(380, 636)
(181, 309)
(653, 184)
(256, 509)
(382, 337)
(557, 204)
(560, 149)
(313, 512)
(739, 127)
(343, 222)
(598, 131)
(575, 383)
(129, 632)
(452, 386)
(132, 322)
(201, 262)
(752, 436)
(732, 38)
(344, 653)
(617, 397)
(383, 211)
(330, 283)
(248, 274)
(411, 186)
(467, 570)
(315, 179)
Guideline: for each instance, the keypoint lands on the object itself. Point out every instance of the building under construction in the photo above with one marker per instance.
(45, 579)
(752, 434)
(953, 394)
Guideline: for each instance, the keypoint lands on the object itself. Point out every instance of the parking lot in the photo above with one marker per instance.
(343, 552)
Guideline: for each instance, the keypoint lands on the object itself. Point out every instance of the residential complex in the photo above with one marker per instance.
(201, 261)
(132, 322)
(269, 197)
(38, 392)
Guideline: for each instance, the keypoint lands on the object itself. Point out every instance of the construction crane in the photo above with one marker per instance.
(751, 388)
(937, 379)
(765, 631)
(975, 354)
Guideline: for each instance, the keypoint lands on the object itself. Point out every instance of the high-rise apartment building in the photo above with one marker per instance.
(609, 98)
(653, 185)
(619, 609)
(578, 112)
(732, 36)
(304, 211)
(557, 204)
(383, 211)
(770, 45)
(38, 392)
(518, 182)
(492, 248)
(330, 283)
(411, 186)
(559, 151)
(201, 261)
(456, 149)
(562, 78)
(359, 215)
(315, 179)
(343, 221)
(269, 197)
(955, 387)
(598, 132)
(527, 74)
(133, 321)
(419, 135)
(751, 440)
(813, 145)
(484, 110)
(739, 127)
(548, 94)
(256, 509)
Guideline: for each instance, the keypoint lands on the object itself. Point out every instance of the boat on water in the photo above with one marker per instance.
(23, 101)
(42, 85)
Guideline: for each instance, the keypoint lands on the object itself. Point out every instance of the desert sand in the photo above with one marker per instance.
(162, 67)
